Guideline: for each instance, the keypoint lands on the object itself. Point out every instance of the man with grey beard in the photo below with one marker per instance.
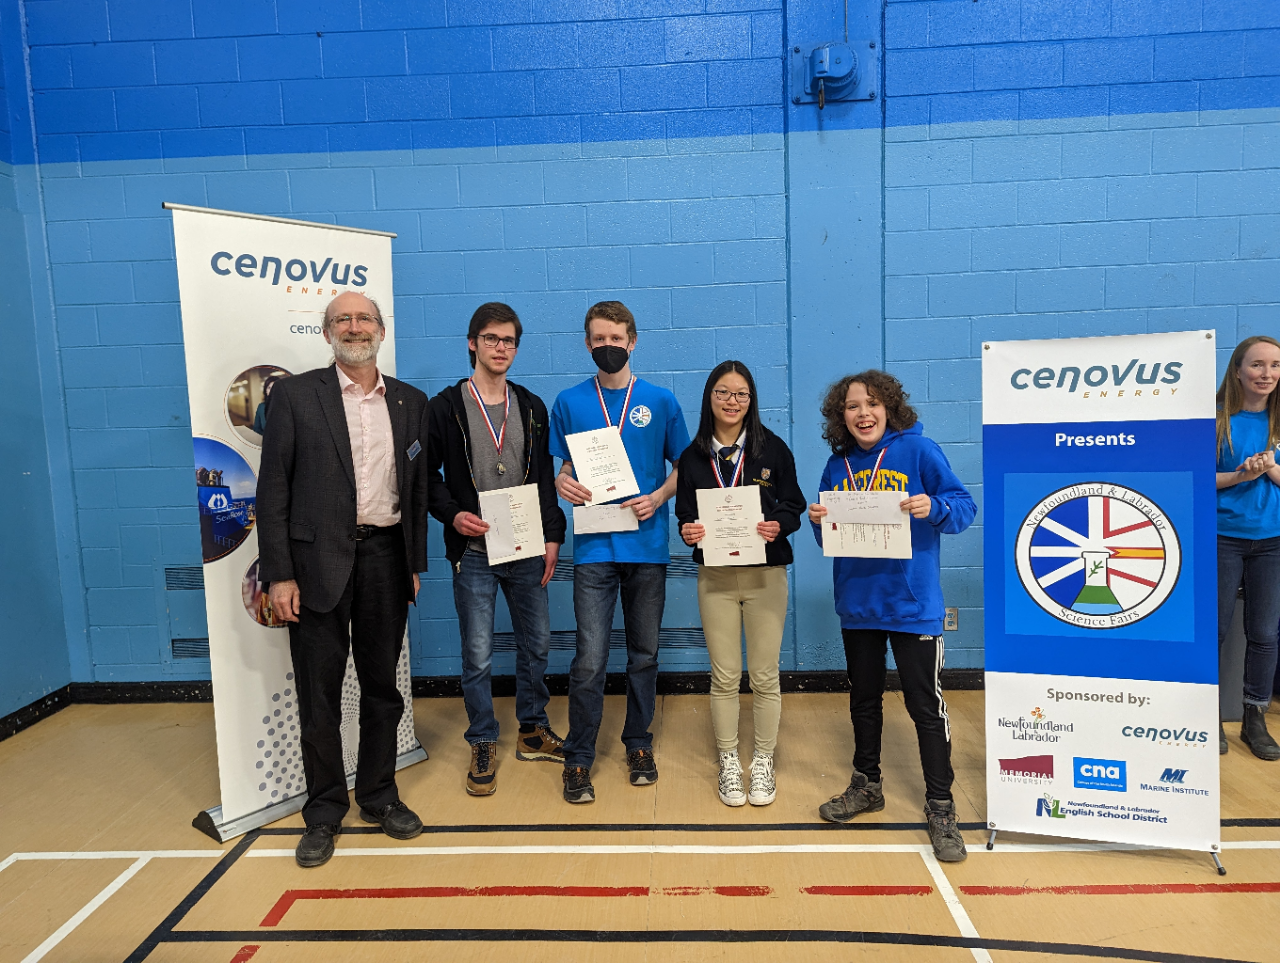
(342, 530)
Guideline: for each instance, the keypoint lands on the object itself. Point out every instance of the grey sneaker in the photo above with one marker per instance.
(763, 785)
(862, 796)
(731, 792)
(948, 844)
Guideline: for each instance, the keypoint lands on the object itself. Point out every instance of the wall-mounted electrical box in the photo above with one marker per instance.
(834, 71)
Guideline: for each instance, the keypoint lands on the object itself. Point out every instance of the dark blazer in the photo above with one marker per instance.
(307, 486)
(449, 447)
(780, 495)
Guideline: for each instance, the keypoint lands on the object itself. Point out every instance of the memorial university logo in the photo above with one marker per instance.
(1098, 555)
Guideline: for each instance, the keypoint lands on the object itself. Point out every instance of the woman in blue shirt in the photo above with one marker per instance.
(1249, 525)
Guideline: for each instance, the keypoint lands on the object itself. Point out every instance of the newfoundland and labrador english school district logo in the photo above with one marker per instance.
(641, 416)
(1098, 555)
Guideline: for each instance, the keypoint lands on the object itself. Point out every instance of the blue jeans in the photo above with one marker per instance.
(1256, 563)
(595, 592)
(475, 589)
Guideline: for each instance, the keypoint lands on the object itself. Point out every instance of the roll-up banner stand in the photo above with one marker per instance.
(1101, 589)
(253, 291)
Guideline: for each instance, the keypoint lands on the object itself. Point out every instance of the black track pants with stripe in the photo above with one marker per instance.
(919, 660)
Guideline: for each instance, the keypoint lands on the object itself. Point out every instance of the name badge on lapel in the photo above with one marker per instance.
(414, 449)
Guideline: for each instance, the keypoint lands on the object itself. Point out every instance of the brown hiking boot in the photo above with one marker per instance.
(542, 743)
(482, 778)
(862, 796)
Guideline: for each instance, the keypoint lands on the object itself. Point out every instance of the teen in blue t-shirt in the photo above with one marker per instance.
(1249, 525)
(632, 564)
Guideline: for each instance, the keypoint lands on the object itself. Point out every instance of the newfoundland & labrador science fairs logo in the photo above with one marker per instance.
(1098, 555)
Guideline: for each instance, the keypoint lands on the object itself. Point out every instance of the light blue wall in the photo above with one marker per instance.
(1031, 169)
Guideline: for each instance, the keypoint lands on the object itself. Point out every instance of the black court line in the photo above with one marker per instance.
(1257, 822)
(639, 828)
(678, 936)
(162, 932)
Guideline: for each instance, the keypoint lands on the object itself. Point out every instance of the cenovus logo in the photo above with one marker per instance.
(1098, 375)
(295, 269)
(1098, 555)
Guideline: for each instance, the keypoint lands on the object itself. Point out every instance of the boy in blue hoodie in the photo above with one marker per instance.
(878, 445)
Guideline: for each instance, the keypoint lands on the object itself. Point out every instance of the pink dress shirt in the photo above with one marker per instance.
(372, 452)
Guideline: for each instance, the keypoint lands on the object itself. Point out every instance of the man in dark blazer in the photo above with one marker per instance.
(342, 533)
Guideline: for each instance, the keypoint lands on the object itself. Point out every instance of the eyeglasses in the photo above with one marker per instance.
(724, 394)
(348, 320)
(492, 341)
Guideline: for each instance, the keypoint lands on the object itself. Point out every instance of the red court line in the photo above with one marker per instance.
(867, 890)
(244, 954)
(1122, 889)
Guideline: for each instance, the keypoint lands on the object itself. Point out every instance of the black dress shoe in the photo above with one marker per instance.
(397, 820)
(316, 845)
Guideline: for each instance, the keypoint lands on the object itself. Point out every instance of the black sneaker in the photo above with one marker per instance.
(862, 796)
(397, 820)
(577, 785)
(944, 834)
(316, 845)
(644, 768)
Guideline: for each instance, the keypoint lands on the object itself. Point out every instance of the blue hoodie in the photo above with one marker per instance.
(891, 594)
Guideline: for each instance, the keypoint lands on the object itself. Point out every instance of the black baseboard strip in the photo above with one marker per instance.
(429, 687)
(33, 712)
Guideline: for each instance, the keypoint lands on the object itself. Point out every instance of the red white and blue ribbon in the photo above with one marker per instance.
(871, 482)
(498, 436)
(738, 464)
(626, 403)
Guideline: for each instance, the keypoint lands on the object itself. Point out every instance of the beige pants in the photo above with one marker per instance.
(732, 599)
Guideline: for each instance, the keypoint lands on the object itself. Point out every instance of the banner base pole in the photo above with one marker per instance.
(991, 840)
(211, 822)
(1222, 870)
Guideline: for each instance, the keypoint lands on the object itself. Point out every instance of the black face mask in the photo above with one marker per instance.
(609, 358)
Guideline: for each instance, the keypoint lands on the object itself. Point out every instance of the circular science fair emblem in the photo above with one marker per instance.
(1098, 555)
(641, 416)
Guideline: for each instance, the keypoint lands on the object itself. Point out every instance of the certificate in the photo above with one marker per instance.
(865, 525)
(730, 517)
(600, 461)
(515, 523)
(588, 519)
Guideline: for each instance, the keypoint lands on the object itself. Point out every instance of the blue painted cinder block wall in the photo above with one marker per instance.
(1028, 169)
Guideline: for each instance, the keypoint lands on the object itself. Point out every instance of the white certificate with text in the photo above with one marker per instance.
(601, 464)
(865, 525)
(590, 519)
(730, 517)
(515, 523)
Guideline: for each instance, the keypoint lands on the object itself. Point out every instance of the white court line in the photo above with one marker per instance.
(1251, 844)
(962, 921)
(112, 854)
(65, 930)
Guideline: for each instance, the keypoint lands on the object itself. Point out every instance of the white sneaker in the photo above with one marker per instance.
(731, 793)
(763, 787)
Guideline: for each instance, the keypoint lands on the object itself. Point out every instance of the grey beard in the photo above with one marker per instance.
(356, 352)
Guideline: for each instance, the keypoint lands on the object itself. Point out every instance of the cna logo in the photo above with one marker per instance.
(1098, 555)
(1029, 770)
(1174, 776)
(1099, 376)
(295, 269)
(1046, 805)
(1105, 774)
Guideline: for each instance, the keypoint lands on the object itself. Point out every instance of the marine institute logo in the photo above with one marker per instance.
(1098, 555)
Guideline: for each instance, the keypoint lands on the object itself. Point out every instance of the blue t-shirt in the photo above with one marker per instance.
(654, 433)
(1249, 509)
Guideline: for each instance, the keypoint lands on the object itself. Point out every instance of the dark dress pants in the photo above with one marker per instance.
(375, 609)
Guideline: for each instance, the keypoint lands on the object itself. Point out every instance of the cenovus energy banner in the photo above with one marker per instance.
(253, 292)
(1101, 588)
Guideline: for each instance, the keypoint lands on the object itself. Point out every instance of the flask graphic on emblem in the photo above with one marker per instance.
(1096, 597)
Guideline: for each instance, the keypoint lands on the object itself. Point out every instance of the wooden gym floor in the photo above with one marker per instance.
(98, 861)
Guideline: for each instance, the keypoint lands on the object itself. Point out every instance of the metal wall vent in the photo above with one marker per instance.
(566, 640)
(190, 648)
(681, 566)
(189, 578)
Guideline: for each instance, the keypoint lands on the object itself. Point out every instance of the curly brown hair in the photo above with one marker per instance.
(881, 386)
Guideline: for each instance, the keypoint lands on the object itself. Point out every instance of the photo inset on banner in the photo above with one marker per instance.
(248, 397)
(257, 602)
(226, 493)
